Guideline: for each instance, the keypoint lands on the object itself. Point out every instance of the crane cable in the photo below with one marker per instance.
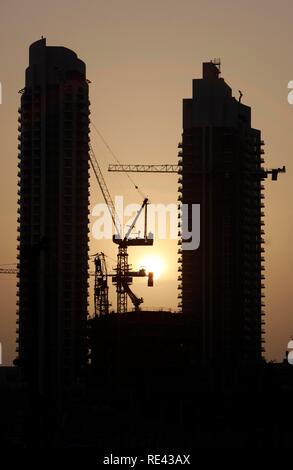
(116, 159)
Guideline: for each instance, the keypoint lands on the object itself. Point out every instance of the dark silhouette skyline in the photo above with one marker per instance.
(140, 381)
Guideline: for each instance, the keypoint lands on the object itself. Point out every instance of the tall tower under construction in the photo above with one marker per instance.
(53, 216)
(221, 166)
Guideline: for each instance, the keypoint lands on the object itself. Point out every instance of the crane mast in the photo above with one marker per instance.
(101, 298)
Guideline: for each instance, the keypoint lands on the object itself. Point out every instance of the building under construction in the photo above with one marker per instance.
(221, 159)
(53, 217)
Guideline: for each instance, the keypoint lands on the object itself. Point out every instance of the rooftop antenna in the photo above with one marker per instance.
(217, 62)
(240, 96)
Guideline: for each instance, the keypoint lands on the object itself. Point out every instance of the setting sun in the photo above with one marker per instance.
(153, 264)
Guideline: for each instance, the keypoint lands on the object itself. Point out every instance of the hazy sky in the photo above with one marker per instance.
(141, 57)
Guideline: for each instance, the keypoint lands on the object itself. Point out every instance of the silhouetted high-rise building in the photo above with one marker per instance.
(221, 162)
(53, 216)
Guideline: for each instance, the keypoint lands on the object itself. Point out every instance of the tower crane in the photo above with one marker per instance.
(101, 285)
(260, 173)
(123, 277)
(101, 289)
(15, 271)
(169, 168)
(8, 271)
